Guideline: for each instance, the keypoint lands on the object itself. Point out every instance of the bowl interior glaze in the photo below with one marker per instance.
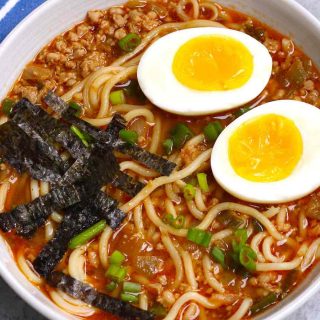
(57, 16)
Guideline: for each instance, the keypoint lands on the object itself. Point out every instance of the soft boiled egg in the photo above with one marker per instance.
(204, 70)
(270, 154)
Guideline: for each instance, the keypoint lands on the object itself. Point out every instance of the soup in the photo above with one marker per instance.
(109, 203)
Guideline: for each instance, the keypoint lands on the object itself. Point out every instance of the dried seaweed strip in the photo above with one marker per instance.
(76, 219)
(25, 115)
(150, 160)
(91, 296)
(127, 184)
(22, 153)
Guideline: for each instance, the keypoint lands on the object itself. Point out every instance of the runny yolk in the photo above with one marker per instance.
(266, 148)
(213, 63)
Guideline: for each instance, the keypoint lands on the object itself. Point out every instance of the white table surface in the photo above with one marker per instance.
(13, 308)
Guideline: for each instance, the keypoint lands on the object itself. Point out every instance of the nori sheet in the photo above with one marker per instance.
(77, 218)
(91, 296)
(28, 117)
(110, 137)
(23, 154)
(127, 184)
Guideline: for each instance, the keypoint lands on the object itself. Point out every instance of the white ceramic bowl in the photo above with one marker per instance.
(56, 16)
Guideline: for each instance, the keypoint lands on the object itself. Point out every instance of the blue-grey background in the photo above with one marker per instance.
(11, 306)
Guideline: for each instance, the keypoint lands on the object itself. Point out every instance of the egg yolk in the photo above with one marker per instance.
(266, 148)
(212, 63)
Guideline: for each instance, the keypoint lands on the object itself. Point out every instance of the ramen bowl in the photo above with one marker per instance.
(57, 16)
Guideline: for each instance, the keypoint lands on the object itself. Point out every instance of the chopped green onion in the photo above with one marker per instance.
(168, 218)
(158, 310)
(116, 273)
(247, 258)
(241, 237)
(179, 222)
(203, 183)
(230, 219)
(131, 287)
(81, 135)
(126, 297)
(117, 258)
(117, 97)
(7, 105)
(218, 256)
(200, 237)
(111, 286)
(264, 303)
(289, 282)
(87, 235)
(212, 130)
(168, 146)
(76, 107)
(129, 42)
(189, 191)
(129, 136)
(242, 111)
(180, 134)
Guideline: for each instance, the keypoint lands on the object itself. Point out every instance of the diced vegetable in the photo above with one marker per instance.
(84, 137)
(218, 256)
(128, 136)
(111, 286)
(230, 219)
(296, 75)
(117, 97)
(116, 273)
(180, 134)
(247, 258)
(179, 222)
(257, 226)
(264, 303)
(200, 237)
(87, 235)
(126, 297)
(168, 146)
(129, 42)
(158, 310)
(212, 130)
(7, 105)
(117, 258)
(189, 191)
(241, 111)
(203, 183)
(289, 281)
(76, 107)
(131, 287)
(241, 237)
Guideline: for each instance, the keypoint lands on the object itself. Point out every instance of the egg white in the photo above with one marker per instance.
(160, 85)
(304, 179)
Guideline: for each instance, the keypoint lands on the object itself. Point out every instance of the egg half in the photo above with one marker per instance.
(204, 70)
(271, 154)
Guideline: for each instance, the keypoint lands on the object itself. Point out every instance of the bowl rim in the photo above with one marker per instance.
(44, 309)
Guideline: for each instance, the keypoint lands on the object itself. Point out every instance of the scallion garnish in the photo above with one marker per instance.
(117, 97)
(247, 258)
(203, 183)
(218, 256)
(131, 287)
(264, 303)
(178, 222)
(84, 137)
(242, 111)
(200, 237)
(76, 107)
(87, 235)
(189, 191)
(129, 42)
(129, 136)
(212, 130)
(117, 258)
(116, 273)
(127, 297)
(7, 105)
(180, 134)
(112, 285)
(158, 310)
(168, 146)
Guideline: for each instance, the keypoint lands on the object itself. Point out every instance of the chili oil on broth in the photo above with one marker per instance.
(75, 55)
